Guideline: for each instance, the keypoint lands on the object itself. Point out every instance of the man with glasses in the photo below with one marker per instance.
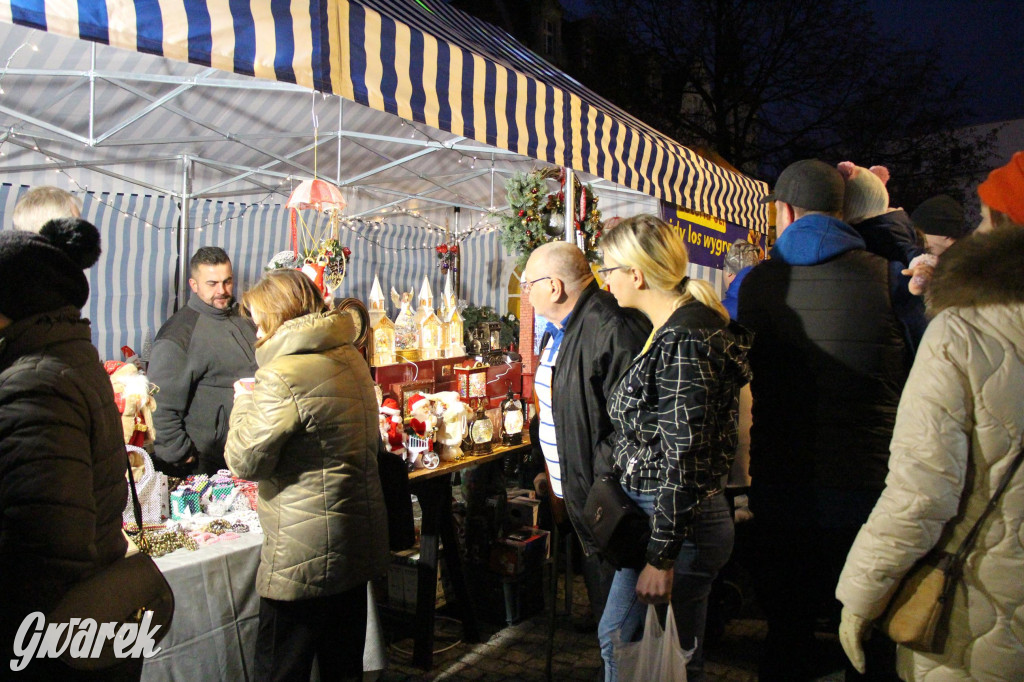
(588, 343)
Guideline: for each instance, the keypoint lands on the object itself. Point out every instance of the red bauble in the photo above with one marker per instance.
(347, 251)
(522, 213)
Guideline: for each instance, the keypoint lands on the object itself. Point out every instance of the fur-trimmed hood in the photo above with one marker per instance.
(981, 269)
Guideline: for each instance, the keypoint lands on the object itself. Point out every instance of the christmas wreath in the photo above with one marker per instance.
(536, 217)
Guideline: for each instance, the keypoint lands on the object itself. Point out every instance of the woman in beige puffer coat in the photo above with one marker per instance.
(960, 425)
(308, 433)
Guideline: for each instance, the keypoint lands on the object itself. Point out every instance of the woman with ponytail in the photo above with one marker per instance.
(675, 411)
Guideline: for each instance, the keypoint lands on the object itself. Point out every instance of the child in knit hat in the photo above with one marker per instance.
(865, 196)
(887, 232)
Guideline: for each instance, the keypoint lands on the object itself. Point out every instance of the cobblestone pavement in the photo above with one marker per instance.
(518, 652)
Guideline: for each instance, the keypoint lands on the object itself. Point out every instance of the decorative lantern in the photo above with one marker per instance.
(430, 337)
(472, 382)
(482, 333)
(377, 303)
(425, 302)
(382, 343)
(482, 431)
(472, 341)
(467, 437)
(407, 341)
(494, 335)
(451, 334)
(511, 420)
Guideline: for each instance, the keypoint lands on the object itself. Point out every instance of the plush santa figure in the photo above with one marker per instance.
(132, 395)
(391, 426)
(423, 422)
(453, 424)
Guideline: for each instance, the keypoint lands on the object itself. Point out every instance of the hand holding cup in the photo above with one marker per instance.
(244, 385)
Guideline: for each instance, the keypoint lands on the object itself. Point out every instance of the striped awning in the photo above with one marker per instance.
(424, 61)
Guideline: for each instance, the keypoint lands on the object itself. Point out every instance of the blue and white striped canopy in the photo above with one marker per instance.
(421, 60)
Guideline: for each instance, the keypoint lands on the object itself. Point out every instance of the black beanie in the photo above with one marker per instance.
(941, 215)
(41, 272)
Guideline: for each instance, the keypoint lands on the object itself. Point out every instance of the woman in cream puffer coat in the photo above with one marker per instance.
(960, 425)
(308, 433)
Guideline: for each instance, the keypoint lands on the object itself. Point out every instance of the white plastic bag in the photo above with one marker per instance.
(658, 656)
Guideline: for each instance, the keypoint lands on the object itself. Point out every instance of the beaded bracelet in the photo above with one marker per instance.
(158, 544)
(217, 526)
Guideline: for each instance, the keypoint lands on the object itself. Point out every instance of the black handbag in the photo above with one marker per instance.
(122, 592)
(618, 527)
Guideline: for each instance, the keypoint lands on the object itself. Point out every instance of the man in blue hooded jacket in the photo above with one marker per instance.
(829, 361)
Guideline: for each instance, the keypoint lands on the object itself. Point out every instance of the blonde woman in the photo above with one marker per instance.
(675, 413)
(308, 433)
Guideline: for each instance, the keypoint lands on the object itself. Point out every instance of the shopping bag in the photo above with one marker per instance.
(657, 656)
(151, 486)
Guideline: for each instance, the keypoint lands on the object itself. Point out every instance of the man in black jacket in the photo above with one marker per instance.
(197, 356)
(829, 361)
(588, 344)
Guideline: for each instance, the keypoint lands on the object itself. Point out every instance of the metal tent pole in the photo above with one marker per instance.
(184, 233)
(570, 203)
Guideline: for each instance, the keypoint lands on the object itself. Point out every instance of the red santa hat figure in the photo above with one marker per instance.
(391, 415)
(423, 422)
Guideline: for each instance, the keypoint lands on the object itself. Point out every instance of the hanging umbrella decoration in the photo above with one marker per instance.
(319, 255)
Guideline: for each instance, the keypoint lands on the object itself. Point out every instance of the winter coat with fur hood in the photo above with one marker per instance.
(960, 424)
(308, 433)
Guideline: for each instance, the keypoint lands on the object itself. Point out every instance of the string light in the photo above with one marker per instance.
(10, 58)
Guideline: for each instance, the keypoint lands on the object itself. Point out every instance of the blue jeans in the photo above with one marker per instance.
(697, 565)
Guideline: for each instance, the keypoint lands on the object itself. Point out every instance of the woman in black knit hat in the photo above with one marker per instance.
(62, 454)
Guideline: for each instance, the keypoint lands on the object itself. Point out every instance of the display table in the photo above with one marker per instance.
(216, 615)
(433, 488)
(216, 612)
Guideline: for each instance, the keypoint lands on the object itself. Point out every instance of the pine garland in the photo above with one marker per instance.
(527, 225)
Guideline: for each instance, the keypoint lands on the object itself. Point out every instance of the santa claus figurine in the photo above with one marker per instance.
(391, 426)
(423, 421)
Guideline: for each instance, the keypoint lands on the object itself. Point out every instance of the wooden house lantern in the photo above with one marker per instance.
(382, 343)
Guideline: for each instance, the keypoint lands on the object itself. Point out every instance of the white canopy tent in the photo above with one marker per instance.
(170, 155)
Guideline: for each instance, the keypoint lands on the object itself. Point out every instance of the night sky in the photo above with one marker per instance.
(982, 40)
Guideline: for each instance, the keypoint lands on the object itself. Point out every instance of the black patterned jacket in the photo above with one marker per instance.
(675, 413)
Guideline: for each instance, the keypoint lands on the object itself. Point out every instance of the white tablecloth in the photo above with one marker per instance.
(216, 614)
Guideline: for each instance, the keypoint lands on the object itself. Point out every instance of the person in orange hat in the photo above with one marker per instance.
(1002, 196)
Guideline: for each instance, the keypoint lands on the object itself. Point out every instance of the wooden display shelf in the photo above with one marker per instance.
(469, 461)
